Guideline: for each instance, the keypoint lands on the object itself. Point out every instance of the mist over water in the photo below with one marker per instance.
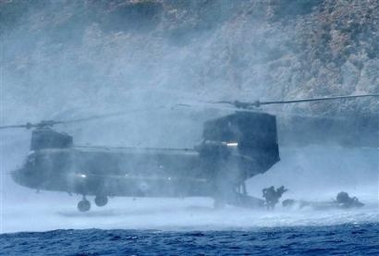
(55, 67)
(315, 172)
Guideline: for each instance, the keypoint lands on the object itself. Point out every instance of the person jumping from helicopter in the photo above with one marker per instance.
(272, 196)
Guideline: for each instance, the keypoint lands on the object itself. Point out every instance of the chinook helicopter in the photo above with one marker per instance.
(233, 149)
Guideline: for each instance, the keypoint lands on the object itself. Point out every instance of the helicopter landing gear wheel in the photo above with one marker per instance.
(101, 200)
(84, 205)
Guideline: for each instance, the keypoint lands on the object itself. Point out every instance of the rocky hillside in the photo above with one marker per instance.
(59, 55)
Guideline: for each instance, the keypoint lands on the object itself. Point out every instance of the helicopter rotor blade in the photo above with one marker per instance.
(50, 123)
(30, 125)
(14, 126)
(247, 105)
(280, 113)
(320, 99)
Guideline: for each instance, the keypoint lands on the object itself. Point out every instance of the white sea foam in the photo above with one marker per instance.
(308, 172)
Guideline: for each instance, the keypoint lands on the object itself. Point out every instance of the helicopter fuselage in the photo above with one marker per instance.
(234, 148)
(115, 172)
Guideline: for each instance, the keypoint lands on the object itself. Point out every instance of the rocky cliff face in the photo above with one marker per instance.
(65, 54)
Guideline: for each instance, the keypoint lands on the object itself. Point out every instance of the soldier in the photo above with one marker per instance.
(272, 196)
(280, 191)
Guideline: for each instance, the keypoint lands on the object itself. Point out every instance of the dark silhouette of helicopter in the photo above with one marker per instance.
(234, 148)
